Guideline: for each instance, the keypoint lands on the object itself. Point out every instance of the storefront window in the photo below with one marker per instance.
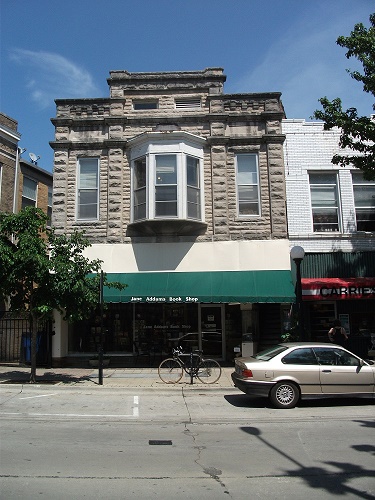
(161, 326)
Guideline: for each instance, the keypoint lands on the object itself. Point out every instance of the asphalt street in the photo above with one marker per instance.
(96, 442)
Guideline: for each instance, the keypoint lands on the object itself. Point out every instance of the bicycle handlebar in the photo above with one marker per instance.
(179, 350)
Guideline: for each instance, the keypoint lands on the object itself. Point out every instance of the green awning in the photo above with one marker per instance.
(215, 287)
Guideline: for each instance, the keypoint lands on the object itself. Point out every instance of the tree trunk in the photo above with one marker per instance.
(34, 332)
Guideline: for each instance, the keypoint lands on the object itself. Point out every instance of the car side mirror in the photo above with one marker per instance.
(360, 364)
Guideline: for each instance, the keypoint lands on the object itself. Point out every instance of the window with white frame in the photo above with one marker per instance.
(247, 178)
(324, 202)
(88, 188)
(167, 182)
(193, 188)
(166, 186)
(139, 190)
(29, 192)
(364, 200)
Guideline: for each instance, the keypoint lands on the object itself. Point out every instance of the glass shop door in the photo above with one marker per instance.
(212, 331)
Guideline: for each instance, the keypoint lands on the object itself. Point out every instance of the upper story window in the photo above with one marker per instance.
(88, 189)
(324, 202)
(167, 180)
(29, 192)
(247, 177)
(139, 188)
(188, 102)
(167, 186)
(144, 105)
(364, 200)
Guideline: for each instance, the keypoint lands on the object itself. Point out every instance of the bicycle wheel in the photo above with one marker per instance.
(170, 371)
(209, 371)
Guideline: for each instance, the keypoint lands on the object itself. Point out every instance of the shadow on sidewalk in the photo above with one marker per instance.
(49, 377)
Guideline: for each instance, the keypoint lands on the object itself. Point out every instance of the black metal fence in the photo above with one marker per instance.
(15, 340)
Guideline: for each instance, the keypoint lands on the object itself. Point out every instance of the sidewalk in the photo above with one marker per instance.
(112, 378)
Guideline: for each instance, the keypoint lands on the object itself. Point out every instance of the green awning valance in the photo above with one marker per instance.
(215, 287)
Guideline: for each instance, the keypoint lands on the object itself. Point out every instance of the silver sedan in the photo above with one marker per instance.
(285, 373)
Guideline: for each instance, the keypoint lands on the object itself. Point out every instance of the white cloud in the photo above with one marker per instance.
(51, 76)
(306, 64)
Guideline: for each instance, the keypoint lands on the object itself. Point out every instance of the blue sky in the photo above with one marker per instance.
(64, 49)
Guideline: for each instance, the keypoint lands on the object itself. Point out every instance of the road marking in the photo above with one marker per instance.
(134, 414)
(136, 407)
(39, 396)
(88, 415)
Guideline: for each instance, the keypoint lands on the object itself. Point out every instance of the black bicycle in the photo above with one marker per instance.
(171, 370)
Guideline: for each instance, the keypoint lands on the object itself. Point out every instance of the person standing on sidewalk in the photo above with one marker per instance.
(337, 333)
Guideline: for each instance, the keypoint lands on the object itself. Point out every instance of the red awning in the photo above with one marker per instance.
(338, 288)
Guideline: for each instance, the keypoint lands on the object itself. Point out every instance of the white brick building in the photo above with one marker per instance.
(331, 214)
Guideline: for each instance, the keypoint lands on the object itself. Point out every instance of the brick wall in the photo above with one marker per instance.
(309, 148)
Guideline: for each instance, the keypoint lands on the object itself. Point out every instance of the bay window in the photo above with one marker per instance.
(167, 182)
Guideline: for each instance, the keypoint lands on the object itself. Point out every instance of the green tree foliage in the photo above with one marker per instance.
(41, 272)
(357, 132)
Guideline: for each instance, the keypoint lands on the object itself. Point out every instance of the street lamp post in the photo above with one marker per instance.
(297, 254)
(100, 357)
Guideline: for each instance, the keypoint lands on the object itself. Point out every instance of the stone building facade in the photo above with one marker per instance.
(181, 190)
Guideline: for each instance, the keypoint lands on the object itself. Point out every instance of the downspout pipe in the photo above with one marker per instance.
(16, 178)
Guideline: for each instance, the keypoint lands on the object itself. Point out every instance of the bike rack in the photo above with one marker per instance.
(192, 354)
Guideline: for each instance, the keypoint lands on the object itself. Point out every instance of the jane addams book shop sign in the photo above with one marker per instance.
(168, 300)
(338, 289)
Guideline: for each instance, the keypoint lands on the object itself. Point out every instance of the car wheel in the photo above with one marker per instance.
(284, 395)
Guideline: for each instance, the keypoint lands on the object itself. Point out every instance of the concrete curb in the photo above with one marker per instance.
(115, 378)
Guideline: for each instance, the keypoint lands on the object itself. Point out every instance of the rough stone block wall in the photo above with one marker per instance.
(231, 124)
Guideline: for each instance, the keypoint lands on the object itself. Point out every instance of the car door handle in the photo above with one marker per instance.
(326, 371)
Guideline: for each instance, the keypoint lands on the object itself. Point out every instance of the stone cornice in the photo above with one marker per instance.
(246, 95)
(87, 100)
(166, 119)
(91, 145)
(123, 143)
(231, 141)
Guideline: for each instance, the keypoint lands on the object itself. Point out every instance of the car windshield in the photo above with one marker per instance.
(270, 353)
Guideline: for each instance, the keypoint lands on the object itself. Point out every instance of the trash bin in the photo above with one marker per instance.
(26, 348)
(41, 348)
(249, 346)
